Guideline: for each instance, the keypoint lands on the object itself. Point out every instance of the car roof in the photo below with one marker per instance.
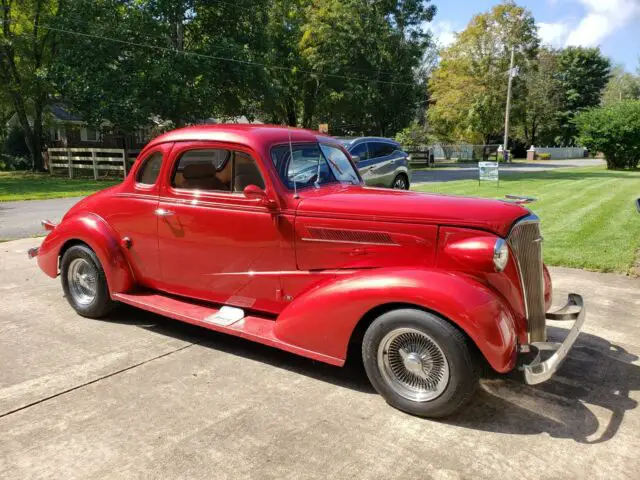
(353, 140)
(249, 134)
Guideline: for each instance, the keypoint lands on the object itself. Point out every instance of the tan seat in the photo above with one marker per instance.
(202, 176)
(246, 173)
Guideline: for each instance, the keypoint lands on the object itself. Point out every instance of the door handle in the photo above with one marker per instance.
(161, 212)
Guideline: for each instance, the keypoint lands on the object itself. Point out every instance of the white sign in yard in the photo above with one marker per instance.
(488, 171)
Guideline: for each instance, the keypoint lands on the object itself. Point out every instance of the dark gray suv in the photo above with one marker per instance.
(381, 161)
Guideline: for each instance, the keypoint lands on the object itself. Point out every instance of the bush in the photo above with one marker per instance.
(11, 163)
(544, 156)
(613, 130)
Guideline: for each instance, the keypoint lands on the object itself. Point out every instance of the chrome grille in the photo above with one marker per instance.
(526, 244)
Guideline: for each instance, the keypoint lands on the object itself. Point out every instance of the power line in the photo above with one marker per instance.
(220, 58)
(78, 20)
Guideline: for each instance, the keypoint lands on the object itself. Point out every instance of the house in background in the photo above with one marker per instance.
(65, 129)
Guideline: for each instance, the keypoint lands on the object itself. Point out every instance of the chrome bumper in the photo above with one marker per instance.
(539, 371)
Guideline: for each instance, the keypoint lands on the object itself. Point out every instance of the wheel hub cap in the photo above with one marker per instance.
(82, 279)
(413, 364)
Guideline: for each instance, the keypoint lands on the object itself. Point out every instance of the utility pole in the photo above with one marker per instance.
(506, 114)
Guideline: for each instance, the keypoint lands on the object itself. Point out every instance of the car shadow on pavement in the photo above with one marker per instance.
(351, 376)
(585, 401)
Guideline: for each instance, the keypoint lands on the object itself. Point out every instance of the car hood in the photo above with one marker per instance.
(381, 204)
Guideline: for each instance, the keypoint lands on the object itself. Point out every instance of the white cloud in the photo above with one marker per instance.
(553, 34)
(601, 19)
(444, 33)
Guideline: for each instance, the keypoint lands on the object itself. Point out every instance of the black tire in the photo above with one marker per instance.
(401, 179)
(102, 303)
(463, 366)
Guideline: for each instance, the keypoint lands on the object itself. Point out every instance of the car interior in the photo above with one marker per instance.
(214, 170)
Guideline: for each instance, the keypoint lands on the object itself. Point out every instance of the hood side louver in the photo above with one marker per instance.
(349, 236)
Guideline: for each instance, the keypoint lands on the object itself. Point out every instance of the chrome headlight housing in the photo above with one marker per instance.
(500, 254)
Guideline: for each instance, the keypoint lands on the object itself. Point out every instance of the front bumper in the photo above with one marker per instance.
(539, 371)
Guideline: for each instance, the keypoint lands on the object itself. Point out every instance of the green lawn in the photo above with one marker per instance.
(588, 215)
(37, 186)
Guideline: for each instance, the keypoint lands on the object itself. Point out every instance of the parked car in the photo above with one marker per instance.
(269, 234)
(380, 161)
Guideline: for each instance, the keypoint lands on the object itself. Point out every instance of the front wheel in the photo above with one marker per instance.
(419, 363)
(84, 282)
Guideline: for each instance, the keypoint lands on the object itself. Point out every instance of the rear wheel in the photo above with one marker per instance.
(419, 363)
(401, 182)
(84, 282)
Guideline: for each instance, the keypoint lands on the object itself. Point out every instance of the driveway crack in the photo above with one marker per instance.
(96, 380)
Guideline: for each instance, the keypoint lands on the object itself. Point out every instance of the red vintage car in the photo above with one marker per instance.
(269, 234)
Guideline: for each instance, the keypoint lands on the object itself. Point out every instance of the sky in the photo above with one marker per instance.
(613, 25)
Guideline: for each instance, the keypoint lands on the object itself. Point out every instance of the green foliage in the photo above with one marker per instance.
(622, 86)
(535, 120)
(176, 60)
(414, 135)
(583, 73)
(613, 130)
(544, 156)
(27, 49)
(365, 56)
(470, 85)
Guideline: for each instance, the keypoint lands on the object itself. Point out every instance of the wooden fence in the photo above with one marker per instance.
(96, 159)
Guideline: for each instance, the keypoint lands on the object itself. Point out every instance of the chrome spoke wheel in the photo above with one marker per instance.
(82, 278)
(413, 364)
(400, 183)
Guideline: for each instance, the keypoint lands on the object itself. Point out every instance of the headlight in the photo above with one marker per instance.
(500, 255)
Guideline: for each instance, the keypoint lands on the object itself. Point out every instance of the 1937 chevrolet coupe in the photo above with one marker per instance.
(269, 234)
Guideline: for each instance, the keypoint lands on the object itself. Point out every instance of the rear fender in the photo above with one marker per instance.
(100, 237)
(323, 319)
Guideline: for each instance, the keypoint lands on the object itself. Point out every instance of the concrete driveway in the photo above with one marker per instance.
(139, 395)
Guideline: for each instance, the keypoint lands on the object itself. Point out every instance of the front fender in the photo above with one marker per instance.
(323, 319)
(91, 229)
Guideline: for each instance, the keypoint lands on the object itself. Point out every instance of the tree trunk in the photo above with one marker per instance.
(292, 119)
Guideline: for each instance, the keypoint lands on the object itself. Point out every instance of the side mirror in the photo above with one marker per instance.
(355, 158)
(257, 193)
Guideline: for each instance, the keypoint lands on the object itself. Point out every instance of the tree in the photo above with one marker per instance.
(621, 86)
(537, 120)
(469, 87)
(124, 62)
(366, 56)
(584, 73)
(613, 130)
(27, 48)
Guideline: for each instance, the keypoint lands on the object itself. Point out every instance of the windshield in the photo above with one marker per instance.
(312, 165)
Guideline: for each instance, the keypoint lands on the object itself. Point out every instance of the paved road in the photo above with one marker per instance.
(142, 396)
(470, 171)
(22, 219)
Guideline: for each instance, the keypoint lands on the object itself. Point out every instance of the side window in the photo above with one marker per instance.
(245, 172)
(204, 169)
(381, 149)
(361, 151)
(148, 173)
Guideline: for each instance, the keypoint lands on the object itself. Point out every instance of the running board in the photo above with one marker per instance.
(225, 320)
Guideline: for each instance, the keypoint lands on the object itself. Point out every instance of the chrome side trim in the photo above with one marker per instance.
(540, 371)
